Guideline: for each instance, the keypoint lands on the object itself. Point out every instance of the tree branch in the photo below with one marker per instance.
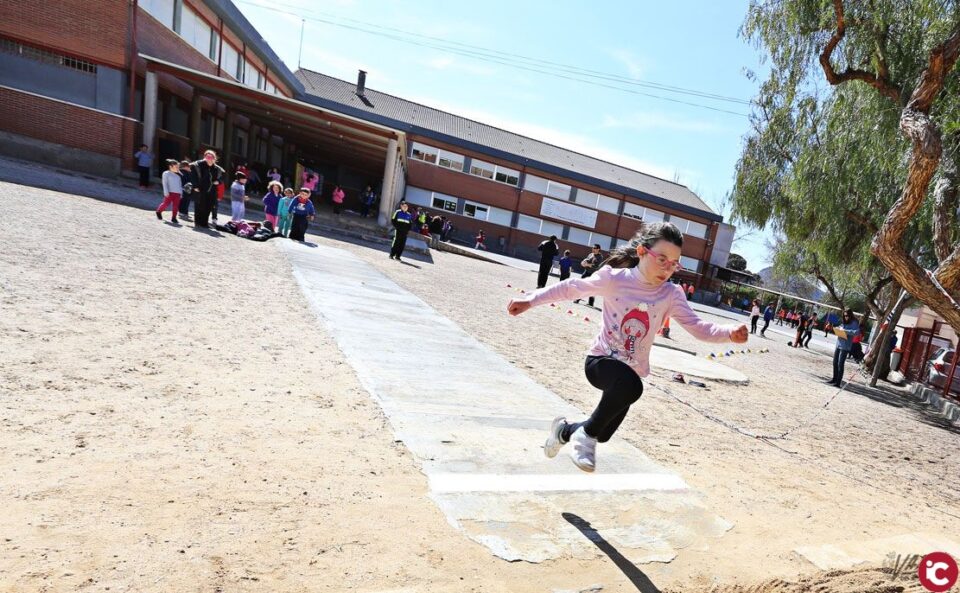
(945, 206)
(920, 129)
(861, 220)
(881, 82)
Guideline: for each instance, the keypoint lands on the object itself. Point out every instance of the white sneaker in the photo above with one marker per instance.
(584, 450)
(555, 442)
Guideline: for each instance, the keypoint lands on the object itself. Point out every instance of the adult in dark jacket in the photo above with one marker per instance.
(548, 250)
(206, 177)
(767, 318)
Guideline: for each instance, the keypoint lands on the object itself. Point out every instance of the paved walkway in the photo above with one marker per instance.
(476, 425)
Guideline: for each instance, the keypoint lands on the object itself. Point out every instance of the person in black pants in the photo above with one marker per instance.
(186, 180)
(401, 220)
(206, 178)
(591, 264)
(548, 250)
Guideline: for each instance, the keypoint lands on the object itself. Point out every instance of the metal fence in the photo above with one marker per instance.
(929, 358)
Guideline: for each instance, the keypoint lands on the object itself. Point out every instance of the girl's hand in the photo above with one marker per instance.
(515, 307)
(739, 335)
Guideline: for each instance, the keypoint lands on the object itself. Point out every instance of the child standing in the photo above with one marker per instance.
(637, 297)
(481, 239)
(302, 211)
(283, 212)
(172, 190)
(237, 197)
(271, 202)
(565, 263)
(144, 160)
(338, 197)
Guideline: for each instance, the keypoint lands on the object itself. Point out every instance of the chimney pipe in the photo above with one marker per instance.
(361, 82)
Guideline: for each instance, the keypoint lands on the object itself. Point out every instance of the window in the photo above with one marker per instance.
(443, 204)
(214, 51)
(603, 240)
(611, 205)
(422, 152)
(508, 176)
(41, 55)
(494, 172)
(528, 223)
(450, 160)
(597, 201)
(586, 198)
(162, 10)
(558, 190)
(196, 31)
(535, 184)
(690, 227)
(251, 76)
(690, 264)
(271, 88)
(230, 62)
(546, 187)
(482, 169)
(474, 210)
(579, 236)
(641, 213)
(537, 226)
(420, 197)
(499, 216)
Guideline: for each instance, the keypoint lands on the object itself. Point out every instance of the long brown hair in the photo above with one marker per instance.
(626, 256)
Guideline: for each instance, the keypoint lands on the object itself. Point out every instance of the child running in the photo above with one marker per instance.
(271, 202)
(172, 190)
(283, 212)
(637, 297)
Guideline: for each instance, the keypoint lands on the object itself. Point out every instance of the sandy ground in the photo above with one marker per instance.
(174, 419)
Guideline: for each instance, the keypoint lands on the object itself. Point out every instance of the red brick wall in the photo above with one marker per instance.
(93, 30)
(52, 121)
(156, 40)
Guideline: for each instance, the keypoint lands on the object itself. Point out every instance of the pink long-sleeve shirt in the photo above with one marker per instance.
(633, 311)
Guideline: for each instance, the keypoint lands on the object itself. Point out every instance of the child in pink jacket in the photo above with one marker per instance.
(636, 300)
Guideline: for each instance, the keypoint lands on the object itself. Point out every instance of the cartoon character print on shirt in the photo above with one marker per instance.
(634, 326)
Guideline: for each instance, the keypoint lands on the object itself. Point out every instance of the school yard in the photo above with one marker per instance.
(175, 418)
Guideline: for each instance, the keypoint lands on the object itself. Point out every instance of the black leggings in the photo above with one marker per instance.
(621, 388)
(753, 323)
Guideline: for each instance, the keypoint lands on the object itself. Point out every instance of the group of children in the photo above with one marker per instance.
(288, 214)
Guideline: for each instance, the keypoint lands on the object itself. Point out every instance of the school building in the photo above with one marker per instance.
(85, 89)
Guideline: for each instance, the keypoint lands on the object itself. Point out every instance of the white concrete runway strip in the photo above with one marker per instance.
(476, 424)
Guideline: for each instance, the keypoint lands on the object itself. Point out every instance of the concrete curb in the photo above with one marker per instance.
(933, 398)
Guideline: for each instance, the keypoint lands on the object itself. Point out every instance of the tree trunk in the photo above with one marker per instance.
(926, 152)
(882, 358)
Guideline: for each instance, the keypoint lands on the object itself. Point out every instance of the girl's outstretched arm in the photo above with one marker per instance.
(704, 330)
(598, 284)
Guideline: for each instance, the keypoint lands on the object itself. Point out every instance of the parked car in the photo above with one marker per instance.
(938, 367)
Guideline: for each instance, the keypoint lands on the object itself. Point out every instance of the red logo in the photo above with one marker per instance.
(937, 572)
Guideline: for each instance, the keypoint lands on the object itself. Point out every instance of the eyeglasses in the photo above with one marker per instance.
(663, 261)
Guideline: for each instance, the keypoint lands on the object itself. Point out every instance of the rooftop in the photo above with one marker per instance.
(334, 93)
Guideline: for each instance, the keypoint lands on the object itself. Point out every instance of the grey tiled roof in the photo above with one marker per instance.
(340, 95)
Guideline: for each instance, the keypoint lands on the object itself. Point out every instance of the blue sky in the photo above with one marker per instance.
(691, 44)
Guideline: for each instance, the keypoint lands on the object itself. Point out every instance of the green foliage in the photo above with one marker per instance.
(736, 262)
(824, 164)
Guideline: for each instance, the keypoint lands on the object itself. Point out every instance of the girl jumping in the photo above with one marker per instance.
(636, 299)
